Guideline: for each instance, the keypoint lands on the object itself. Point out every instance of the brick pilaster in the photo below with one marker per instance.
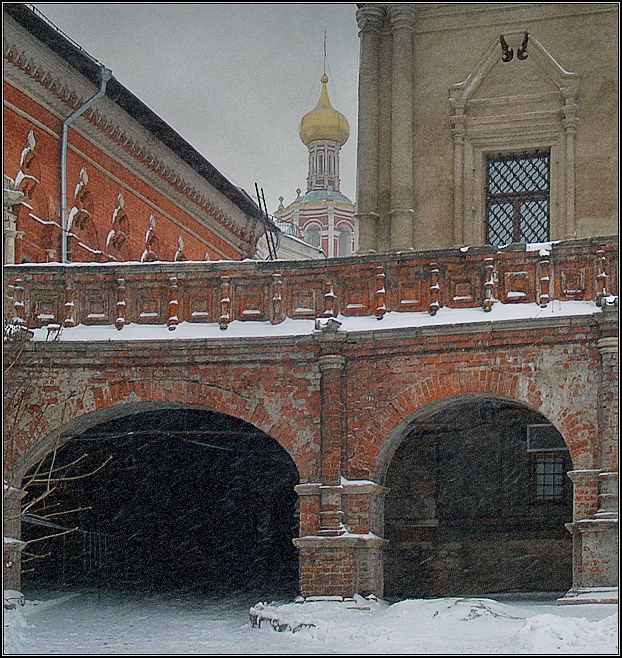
(333, 435)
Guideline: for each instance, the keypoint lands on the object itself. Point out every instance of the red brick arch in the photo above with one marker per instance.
(377, 442)
(108, 401)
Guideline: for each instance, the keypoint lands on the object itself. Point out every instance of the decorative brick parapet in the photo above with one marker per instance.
(221, 292)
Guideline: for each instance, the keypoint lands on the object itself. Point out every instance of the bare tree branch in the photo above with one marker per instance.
(33, 405)
(57, 534)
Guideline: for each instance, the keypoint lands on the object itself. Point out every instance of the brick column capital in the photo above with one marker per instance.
(331, 362)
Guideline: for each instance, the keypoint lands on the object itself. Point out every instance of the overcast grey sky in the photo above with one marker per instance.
(233, 79)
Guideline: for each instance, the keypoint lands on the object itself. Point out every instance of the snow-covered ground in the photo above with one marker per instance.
(92, 623)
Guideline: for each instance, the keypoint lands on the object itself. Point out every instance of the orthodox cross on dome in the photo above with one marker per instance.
(324, 64)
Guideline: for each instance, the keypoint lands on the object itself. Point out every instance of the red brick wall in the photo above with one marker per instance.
(274, 384)
(545, 368)
(107, 177)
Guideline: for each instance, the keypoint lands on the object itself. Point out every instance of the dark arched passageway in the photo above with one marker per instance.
(191, 500)
(477, 502)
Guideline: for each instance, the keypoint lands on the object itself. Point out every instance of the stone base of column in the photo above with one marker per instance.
(595, 560)
(582, 595)
(341, 566)
(402, 229)
(367, 223)
(607, 495)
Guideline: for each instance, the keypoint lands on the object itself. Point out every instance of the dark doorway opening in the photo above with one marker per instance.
(192, 500)
(478, 498)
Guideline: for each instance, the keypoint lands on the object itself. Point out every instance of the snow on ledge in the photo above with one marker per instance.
(12, 540)
(300, 327)
(356, 483)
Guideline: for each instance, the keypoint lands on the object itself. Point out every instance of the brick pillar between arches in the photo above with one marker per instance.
(595, 516)
(333, 434)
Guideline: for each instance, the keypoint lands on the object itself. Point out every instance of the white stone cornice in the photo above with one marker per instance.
(608, 345)
(401, 17)
(370, 17)
(331, 362)
(346, 540)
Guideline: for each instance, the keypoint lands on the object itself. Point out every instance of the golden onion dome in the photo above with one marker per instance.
(324, 123)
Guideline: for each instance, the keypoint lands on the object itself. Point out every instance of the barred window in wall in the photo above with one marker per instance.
(549, 463)
(549, 477)
(518, 197)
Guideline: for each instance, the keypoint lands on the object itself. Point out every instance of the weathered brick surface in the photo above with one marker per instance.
(339, 403)
(597, 562)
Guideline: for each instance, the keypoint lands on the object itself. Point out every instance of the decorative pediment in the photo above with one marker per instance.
(535, 73)
(517, 97)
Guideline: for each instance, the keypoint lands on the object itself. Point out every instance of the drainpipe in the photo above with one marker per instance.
(106, 74)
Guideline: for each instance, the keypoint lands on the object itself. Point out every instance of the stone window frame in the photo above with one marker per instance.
(535, 124)
(344, 233)
(315, 227)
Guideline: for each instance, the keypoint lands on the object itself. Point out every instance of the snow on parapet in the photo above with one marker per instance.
(539, 246)
(300, 327)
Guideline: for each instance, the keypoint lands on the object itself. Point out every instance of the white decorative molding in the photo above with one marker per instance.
(128, 142)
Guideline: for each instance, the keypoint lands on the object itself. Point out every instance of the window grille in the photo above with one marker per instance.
(517, 198)
(549, 478)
